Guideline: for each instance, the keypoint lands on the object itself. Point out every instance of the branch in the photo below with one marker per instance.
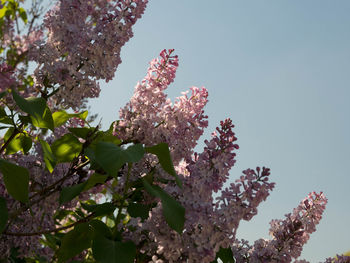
(46, 192)
(54, 230)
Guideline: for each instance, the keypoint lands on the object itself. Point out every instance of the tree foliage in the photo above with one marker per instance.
(137, 192)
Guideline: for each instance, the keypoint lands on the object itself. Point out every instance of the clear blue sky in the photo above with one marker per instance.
(281, 71)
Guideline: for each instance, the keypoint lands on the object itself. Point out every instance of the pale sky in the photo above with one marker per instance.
(281, 71)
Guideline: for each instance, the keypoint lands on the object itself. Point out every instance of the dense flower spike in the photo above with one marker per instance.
(241, 199)
(83, 44)
(289, 235)
(204, 175)
(209, 225)
(151, 118)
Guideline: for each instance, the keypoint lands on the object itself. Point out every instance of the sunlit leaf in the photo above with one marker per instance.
(66, 148)
(23, 14)
(21, 142)
(61, 117)
(49, 158)
(37, 109)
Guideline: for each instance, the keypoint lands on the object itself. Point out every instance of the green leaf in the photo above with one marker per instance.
(134, 153)
(173, 211)
(110, 157)
(52, 241)
(161, 150)
(138, 210)
(90, 153)
(3, 214)
(8, 133)
(23, 14)
(108, 251)
(226, 256)
(105, 136)
(81, 132)
(68, 193)
(15, 144)
(16, 179)
(26, 143)
(25, 119)
(21, 142)
(49, 158)
(3, 11)
(2, 94)
(66, 148)
(109, 137)
(37, 109)
(6, 120)
(75, 241)
(100, 228)
(95, 179)
(82, 115)
(61, 214)
(2, 112)
(3, 115)
(100, 209)
(61, 117)
(32, 106)
(45, 121)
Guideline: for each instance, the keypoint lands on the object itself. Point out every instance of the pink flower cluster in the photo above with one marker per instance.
(83, 44)
(289, 235)
(6, 77)
(78, 45)
(151, 118)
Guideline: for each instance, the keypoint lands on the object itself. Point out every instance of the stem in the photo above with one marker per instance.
(121, 206)
(46, 192)
(71, 171)
(54, 230)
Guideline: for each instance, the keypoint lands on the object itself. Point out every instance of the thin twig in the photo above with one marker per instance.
(54, 230)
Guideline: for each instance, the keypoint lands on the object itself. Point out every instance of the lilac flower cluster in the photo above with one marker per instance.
(150, 118)
(289, 235)
(78, 45)
(83, 44)
(6, 77)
